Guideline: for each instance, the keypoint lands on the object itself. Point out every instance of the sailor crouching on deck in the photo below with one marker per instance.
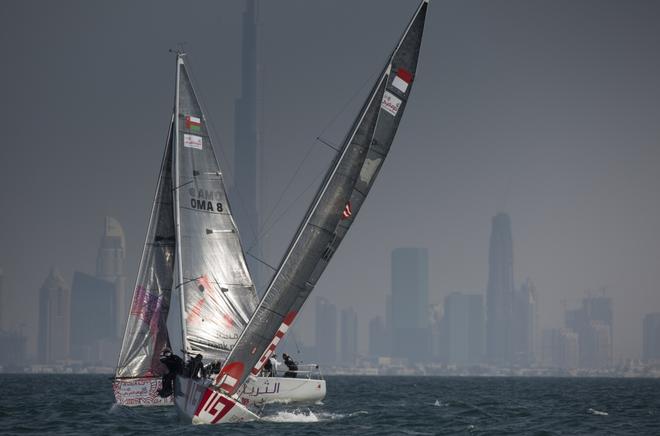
(174, 366)
(291, 364)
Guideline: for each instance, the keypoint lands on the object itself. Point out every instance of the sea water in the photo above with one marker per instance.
(83, 404)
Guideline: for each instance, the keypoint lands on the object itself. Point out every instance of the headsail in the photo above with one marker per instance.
(146, 330)
(332, 212)
(218, 295)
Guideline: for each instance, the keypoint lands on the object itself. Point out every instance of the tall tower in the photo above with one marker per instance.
(349, 329)
(499, 293)
(110, 267)
(246, 142)
(326, 331)
(410, 303)
(54, 307)
(2, 299)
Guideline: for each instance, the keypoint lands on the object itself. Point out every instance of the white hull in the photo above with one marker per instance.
(140, 392)
(197, 403)
(258, 391)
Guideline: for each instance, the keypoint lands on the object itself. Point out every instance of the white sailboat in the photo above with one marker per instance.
(333, 210)
(193, 248)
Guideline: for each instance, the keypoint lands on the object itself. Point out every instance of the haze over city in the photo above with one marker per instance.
(546, 111)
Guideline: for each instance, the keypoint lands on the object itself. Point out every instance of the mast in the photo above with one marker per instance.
(177, 209)
(337, 202)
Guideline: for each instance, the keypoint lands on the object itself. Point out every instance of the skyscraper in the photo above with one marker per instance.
(2, 299)
(463, 322)
(93, 320)
(499, 294)
(378, 338)
(326, 331)
(246, 142)
(110, 267)
(651, 337)
(560, 349)
(523, 334)
(410, 303)
(54, 301)
(348, 335)
(592, 322)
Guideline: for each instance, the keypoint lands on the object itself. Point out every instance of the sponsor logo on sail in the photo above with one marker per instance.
(192, 141)
(390, 103)
(402, 80)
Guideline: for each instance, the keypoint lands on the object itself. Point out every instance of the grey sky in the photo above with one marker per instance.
(548, 110)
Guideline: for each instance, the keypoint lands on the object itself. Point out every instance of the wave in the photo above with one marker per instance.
(597, 412)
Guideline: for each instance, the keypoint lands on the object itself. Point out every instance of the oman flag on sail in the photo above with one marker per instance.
(402, 79)
(193, 123)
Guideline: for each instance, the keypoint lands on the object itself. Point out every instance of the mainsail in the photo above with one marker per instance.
(217, 293)
(146, 330)
(332, 212)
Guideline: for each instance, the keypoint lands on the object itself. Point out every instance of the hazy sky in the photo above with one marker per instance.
(547, 110)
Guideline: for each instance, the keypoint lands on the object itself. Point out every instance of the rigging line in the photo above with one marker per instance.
(223, 152)
(324, 142)
(284, 191)
(266, 231)
(261, 261)
(260, 233)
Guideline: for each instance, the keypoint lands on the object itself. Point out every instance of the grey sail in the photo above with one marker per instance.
(146, 330)
(331, 213)
(217, 293)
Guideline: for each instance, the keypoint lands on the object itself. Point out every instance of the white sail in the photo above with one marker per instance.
(217, 293)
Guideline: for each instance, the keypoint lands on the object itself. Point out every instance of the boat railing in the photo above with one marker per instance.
(305, 370)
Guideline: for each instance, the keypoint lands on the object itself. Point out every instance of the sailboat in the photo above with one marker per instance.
(192, 251)
(325, 224)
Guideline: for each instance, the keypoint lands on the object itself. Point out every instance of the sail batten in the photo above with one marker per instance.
(337, 202)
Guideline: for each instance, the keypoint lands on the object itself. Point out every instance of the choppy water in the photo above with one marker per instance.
(82, 404)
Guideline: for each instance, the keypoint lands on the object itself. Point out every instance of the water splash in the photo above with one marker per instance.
(597, 412)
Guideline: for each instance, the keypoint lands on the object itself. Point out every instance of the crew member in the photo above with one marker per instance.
(174, 366)
(291, 364)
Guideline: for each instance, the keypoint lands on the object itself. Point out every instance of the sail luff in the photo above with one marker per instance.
(329, 216)
(176, 190)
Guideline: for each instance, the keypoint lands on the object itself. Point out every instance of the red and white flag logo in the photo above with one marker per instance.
(347, 211)
(402, 79)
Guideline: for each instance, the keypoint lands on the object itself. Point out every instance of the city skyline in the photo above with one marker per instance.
(558, 130)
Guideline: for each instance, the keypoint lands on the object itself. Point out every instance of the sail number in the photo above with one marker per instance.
(202, 199)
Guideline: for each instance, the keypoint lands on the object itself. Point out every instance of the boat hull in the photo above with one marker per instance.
(258, 391)
(140, 392)
(197, 402)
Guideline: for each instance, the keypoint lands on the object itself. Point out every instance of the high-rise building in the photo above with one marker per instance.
(93, 320)
(560, 349)
(410, 304)
(592, 322)
(379, 340)
(464, 327)
(326, 331)
(2, 299)
(499, 293)
(523, 332)
(54, 301)
(651, 337)
(110, 267)
(348, 335)
(247, 152)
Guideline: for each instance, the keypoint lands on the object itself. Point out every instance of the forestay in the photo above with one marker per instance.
(332, 212)
(218, 296)
(146, 330)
